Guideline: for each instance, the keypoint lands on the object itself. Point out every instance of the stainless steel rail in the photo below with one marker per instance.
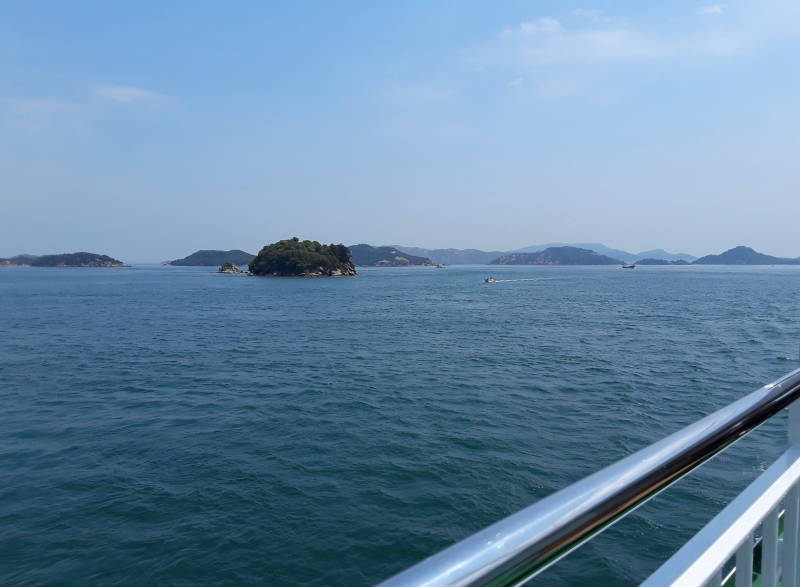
(520, 546)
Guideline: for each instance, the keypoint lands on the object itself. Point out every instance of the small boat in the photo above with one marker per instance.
(439, 266)
(490, 280)
(629, 265)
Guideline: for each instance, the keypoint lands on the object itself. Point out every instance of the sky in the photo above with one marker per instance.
(146, 130)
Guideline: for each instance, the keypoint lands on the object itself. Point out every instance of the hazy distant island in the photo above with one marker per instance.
(661, 262)
(453, 256)
(557, 256)
(478, 257)
(296, 258)
(369, 256)
(745, 256)
(661, 254)
(82, 259)
(210, 258)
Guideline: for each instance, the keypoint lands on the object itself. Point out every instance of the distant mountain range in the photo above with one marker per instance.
(614, 253)
(208, 258)
(369, 256)
(477, 257)
(579, 256)
(400, 256)
(593, 254)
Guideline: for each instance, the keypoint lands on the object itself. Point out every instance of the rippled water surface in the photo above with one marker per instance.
(175, 426)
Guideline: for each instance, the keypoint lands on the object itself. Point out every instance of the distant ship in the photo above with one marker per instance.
(629, 265)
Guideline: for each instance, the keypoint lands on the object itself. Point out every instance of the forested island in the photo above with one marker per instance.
(296, 258)
(81, 259)
(369, 256)
(557, 256)
(208, 258)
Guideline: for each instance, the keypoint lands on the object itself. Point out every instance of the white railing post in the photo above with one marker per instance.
(744, 563)
(769, 550)
(791, 520)
(790, 526)
(715, 580)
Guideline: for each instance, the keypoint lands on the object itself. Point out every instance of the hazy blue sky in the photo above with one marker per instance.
(149, 129)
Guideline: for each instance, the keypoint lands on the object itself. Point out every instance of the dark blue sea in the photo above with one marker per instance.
(174, 426)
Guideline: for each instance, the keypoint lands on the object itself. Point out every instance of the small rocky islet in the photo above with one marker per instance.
(229, 268)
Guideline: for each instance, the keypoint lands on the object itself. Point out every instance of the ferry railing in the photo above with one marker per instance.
(517, 548)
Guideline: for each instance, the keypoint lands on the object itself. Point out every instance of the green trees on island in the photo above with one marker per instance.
(307, 258)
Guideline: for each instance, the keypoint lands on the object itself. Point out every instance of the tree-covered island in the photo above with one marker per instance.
(82, 259)
(296, 258)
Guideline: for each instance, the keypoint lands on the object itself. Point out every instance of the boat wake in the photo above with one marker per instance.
(512, 280)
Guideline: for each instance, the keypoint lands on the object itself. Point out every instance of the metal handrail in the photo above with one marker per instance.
(515, 549)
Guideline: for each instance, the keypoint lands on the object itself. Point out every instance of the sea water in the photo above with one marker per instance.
(177, 426)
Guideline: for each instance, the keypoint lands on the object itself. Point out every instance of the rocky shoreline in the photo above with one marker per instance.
(320, 272)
